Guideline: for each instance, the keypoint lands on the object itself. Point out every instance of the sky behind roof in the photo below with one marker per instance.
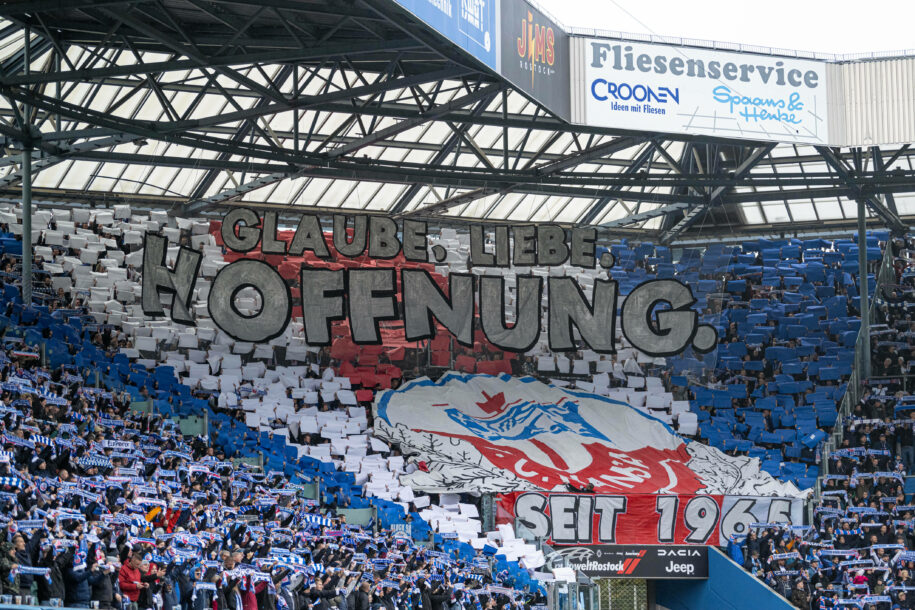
(825, 26)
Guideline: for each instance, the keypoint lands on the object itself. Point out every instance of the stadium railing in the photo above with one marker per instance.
(885, 275)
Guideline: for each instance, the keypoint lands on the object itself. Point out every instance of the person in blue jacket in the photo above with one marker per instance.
(78, 579)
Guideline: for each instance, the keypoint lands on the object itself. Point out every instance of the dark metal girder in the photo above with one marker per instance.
(646, 215)
(314, 102)
(180, 162)
(857, 192)
(713, 197)
(880, 170)
(239, 135)
(780, 230)
(423, 117)
(804, 194)
(404, 201)
(42, 6)
(594, 212)
(236, 59)
(56, 154)
(293, 158)
(350, 170)
(488, 91)
(148, 129)
(190, 50)
(347, 8)
(545, 170)
(903, 152)
(590, 154)
(16, 62)
(485, 181)
(815, 178)
(477, 175)
(66, 198)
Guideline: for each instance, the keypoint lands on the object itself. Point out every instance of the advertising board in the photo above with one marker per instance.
(661, 88)
(535, 55)
(635, 561)
(470, 24)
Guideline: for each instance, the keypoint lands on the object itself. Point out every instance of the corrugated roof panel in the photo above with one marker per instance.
(803, 211)
(51, 176)
(752, 213)
(186, 180)
(386, 196)
(572, 209)
(159, 179)
(775, 212)
(78, 175)
(828, 210)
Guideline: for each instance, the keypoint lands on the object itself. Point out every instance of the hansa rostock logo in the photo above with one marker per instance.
(591, 561)
(536, 47)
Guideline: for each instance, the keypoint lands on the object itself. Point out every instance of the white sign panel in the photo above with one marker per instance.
(660, 88)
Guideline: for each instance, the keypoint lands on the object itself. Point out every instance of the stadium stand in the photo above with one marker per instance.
(770, 391)
(400, 305)
(104, 499)
(858, 550)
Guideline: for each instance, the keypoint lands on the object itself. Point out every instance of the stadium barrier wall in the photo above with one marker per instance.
(144, 406)
(192, 426)
(729, 587)
(357, 516)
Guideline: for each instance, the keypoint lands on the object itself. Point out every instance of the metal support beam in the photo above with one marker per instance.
(55, 154)
(713, 196)
(27, 185)
(880, 172)
(647, 215)
(865, 356)
(601, 204)
(407, 197)
(243, 58)
(243, 130)
(590, 154)
(423, 117)
(27, 227)
(480, 94)
(548, 169)
(873, 201)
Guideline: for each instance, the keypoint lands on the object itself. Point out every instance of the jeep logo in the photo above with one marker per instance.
(680, 568)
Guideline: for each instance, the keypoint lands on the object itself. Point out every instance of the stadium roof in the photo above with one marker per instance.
(354, 105)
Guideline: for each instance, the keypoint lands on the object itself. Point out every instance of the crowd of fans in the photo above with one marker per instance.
(111, 505)
(860, 549)
(788, 319)
(893, 335)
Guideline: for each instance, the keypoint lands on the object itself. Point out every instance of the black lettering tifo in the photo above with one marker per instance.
(368, 296)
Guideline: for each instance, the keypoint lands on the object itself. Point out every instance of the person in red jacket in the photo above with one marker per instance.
(249, 594)
(166, 519)
(130, 579)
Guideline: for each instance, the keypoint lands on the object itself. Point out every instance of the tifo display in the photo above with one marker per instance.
(106, 495)
(440, 305)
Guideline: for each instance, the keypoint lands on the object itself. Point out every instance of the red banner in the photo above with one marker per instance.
(562, 518)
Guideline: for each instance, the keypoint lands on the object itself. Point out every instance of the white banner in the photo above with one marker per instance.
(661, 88)
(501, 434)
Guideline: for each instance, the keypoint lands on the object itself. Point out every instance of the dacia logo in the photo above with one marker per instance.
(678, 552)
